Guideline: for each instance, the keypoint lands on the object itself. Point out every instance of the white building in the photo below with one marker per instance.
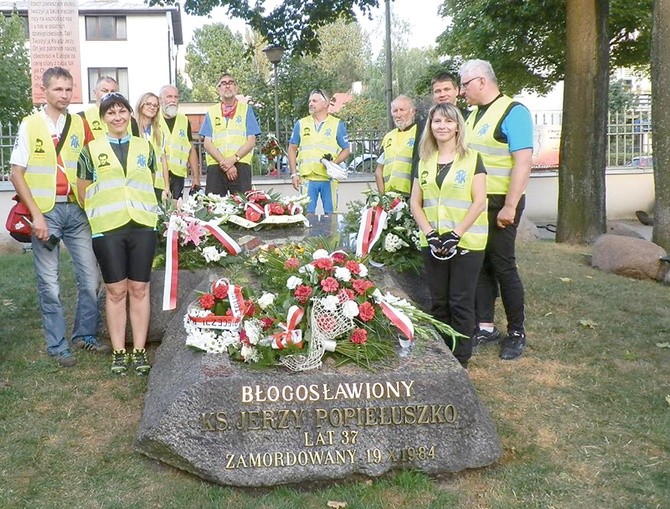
(128, 40)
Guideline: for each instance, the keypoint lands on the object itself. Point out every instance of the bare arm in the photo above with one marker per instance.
(194, 163)
(293, 165)
(518, 183)
(379, 178)
(342, 156)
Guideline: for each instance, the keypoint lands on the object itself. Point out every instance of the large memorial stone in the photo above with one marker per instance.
(232, 424)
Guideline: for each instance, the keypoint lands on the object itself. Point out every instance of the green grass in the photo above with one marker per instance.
(583, 416)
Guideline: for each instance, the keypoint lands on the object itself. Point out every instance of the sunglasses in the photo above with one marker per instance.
(319, 92)
(113, 95)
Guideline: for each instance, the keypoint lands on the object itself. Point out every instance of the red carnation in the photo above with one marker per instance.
(267, 322)
(244, 338)
(361, 285)
(252, 215)
(323, 263)
(277, 209)
(359, 336)
(353, 267)
(366, 311)
(302, 293)
(221, 291)
(345, 294)
(207, 301)
(339, 257)
(330, 285)
(292, 263)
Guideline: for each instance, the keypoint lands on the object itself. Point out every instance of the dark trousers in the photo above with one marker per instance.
(219, 183)
(452, 284)
(176, 186)
(499, 275)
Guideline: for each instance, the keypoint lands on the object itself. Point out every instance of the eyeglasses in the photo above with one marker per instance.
(319, 92)
(151, 105)
(466, 83)
(226, 83)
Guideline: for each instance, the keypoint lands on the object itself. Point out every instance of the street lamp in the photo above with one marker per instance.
(274, 54)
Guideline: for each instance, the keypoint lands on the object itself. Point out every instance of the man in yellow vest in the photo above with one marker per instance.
(229, 131)
(44, 176)
(179, 147)
(501, 130)
(105, 85)
(394, 165)
(317, 136)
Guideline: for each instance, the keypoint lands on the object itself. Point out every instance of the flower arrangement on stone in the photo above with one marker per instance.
(385, 231)
(260, 208)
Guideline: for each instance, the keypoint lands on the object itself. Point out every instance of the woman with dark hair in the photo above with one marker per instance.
(146, 114)
(448, 202)
(116, 185)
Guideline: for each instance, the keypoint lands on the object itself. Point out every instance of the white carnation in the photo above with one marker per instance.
(320, 253)
(343, 274)
(330, 303)
(211, 254)
(350, 309)
(293, 282)
(267, 299)
(362, 270)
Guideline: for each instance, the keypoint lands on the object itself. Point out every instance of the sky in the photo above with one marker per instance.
(425, 24)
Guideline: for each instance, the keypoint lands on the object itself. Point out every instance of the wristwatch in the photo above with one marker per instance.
(237, 158)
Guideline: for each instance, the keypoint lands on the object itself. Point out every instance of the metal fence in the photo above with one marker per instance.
(629, 138)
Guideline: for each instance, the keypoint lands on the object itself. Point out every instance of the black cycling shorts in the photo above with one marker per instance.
(126, 254)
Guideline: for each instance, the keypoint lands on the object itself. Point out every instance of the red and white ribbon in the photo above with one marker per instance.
(294, 209)
(373, 221)
(171, 283)
(398, 318)
(255, 207)
(291, 335)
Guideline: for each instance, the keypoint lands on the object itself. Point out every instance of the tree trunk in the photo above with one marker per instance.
(581, 176)
(660, 116)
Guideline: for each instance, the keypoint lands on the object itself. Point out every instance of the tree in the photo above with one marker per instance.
(292, 24)
(581, 174)
(185, 92)
(660, 113)
(15, 100)
(621, 98)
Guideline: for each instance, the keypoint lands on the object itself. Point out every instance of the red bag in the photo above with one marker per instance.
(19, 220)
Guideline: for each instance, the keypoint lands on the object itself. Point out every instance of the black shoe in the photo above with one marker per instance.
(513, 345)
(483, 338)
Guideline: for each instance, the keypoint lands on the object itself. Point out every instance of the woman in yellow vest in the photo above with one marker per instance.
(116, 185)
(448, 202)
(146, 114)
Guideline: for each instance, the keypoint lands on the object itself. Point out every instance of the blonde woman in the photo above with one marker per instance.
(146, 114)
(448, 202)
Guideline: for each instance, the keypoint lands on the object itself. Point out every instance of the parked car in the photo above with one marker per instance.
(365, 163)
(641, 161)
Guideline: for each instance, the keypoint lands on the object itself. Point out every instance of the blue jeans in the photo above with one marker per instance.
(68, 222)
(326, 190)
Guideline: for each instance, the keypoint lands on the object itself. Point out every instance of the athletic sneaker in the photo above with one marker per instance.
(90, 343)
(66, 359)
(513, 345)
(483, 338)
(120, 361)
(140, 361)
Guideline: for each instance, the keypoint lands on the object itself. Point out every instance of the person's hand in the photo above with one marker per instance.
(506, 216)
(166, 194)
(195, 188)
(449, 241)
(40, 228)
(435, 244)
(227, 162)
(231, 173)
(327, 157)
(295, 181)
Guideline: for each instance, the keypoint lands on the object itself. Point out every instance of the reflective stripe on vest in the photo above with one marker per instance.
(229, 135)
(315, 144)
(446, 206)
(398, 147)
(177, 145)
(496, 156)
(41, 167)
(115, 198)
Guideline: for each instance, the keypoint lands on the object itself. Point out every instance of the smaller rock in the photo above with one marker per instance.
(624, 229)
(630, 257)
(527, 231)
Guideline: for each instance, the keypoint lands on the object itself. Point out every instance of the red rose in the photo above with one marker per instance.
(345, 294)
(277, 209)
(221, 291)
(339, 257)
(359, 336)
(302, 293)
(292, 263)
(366, 311)
(361, 285)
(353, 267)
(252, 215)
(267, 322)
(330, 285)
(323, 263)
(207, 301)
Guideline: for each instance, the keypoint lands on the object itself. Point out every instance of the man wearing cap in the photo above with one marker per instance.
(317, 136)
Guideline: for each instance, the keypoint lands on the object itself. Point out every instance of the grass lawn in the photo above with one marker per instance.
(584, 415)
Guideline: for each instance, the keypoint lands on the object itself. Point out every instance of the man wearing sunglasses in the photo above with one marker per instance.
(501, 130)
(315, 137)
(229, 131)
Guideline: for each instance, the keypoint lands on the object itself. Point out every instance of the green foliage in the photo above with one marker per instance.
(185, 92)
(293, 24)
(364, 114)
(621, 97)
(525, 40)
(15, 100)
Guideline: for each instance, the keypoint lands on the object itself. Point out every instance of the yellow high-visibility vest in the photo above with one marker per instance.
(315, 144)
(229, 134)
(398, 147)
(95, 123)
(159, 181)
(41, 167)
(446, 206)
(496, 156)
(115, 198)
(177, 144)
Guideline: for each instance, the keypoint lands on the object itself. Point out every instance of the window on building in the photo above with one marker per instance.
(120, 74)
(105, 28)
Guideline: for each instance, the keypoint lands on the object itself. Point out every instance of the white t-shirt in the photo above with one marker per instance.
(21, 150)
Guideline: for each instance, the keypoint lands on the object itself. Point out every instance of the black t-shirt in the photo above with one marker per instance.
(170, 123)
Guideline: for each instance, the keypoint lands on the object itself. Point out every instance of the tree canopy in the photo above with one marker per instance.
(293, 24)
(15, 100)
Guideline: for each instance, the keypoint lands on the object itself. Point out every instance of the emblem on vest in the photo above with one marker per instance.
(74, 141)
(410, 142)
(95, 126)
(329, 132)
(389, 142)
(217, 121)
(39, 146)
(141, 161)
(182, 133)
(459, 179)
(305, 131)
(103, 160)
(424, 178)
(238, 119)
(483, 130)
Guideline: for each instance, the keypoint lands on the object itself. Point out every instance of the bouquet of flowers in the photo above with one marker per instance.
(259, 208)
(385, 231)
(271, 148)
